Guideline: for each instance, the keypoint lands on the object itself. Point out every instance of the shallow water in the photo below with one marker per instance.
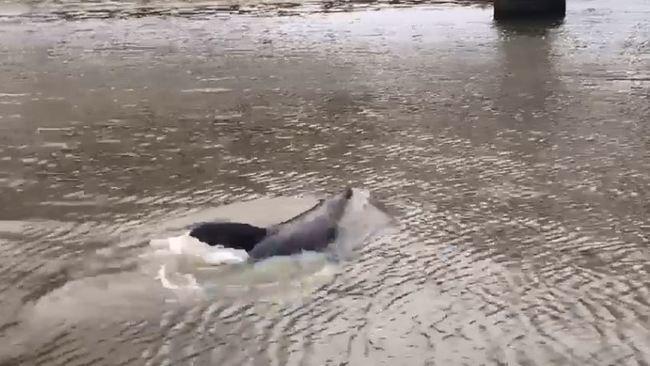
(514, 158)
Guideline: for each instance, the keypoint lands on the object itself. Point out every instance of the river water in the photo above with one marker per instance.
(514, 158)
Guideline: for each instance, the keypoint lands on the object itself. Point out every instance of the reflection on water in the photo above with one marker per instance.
(515, 160)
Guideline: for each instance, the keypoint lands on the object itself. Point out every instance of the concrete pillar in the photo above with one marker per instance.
(517, 9)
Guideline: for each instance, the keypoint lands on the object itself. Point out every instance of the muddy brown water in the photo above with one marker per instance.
(515, 159)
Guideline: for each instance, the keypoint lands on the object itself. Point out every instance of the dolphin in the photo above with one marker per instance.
(312, 230)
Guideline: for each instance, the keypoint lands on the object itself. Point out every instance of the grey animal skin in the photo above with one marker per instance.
(313, 230)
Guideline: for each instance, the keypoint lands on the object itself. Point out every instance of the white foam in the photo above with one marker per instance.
(166, 283)
(170, 254)
(186, 245)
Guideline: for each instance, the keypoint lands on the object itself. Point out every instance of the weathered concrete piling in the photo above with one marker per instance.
(516, 9)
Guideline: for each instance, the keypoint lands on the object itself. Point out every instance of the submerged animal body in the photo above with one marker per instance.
(312, 230)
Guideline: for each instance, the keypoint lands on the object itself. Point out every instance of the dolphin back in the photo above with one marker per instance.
(313, 230)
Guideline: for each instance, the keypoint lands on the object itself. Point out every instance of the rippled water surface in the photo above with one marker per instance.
(514, 158)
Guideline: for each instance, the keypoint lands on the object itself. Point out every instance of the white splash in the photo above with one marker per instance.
(166, 283)
(186, 245)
